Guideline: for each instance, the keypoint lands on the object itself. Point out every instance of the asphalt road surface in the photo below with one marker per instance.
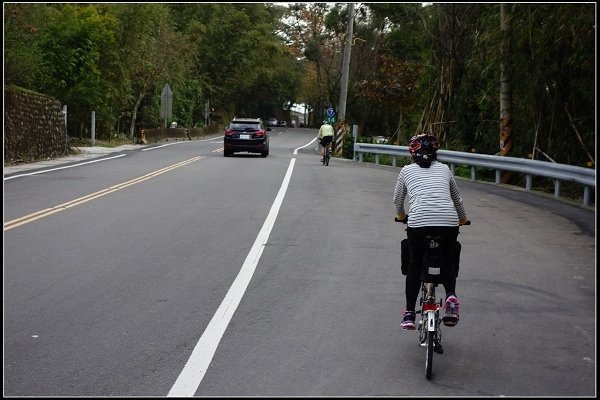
(170, 270)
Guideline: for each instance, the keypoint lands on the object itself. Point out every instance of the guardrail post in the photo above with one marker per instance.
(472, 173)
(452, 170)
(360, 157)
(586, 196)
(556, 188)
(376, 159)
(498, 176)
(393, 161)
(528, 181)
(354, 138)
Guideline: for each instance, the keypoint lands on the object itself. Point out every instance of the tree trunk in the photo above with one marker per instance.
(436, 117)
(506, 136)
(134, 112)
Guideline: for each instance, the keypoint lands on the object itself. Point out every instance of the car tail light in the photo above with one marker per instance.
(259, 133)
(229, 132)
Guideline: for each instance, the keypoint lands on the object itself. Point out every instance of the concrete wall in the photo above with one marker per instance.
(160, 134)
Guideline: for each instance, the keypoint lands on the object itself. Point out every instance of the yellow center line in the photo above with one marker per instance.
(61, 207)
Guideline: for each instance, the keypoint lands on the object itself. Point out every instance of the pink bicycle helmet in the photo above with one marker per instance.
(423, 149)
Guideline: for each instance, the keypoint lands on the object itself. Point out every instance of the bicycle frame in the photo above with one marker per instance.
(429, 327)
(326, 154)
(430, 333)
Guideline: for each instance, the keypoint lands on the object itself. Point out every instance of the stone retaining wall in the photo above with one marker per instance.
(34, 127)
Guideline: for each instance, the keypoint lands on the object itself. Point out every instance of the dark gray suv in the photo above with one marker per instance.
(248, 135)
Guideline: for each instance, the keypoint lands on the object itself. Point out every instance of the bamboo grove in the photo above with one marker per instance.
(414, 66)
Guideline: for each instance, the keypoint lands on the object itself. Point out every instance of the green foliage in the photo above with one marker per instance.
(481, 174)
(242, 58)
(74, 45)
(348, 146)
(115, 58)
(24, 64)
(551, 56)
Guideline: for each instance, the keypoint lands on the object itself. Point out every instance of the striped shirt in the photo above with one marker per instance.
(434, 198)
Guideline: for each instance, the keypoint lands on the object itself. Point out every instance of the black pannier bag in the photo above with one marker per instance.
(405, 256)
(434, 264)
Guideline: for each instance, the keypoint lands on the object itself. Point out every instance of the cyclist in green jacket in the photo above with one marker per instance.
(325, 136)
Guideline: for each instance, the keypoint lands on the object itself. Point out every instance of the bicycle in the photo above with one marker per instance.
(429, 327)
(326, 155)
(430, 332)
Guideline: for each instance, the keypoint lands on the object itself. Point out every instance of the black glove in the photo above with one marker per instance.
(401, 217)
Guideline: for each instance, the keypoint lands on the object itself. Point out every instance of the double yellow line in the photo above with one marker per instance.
(61, 207)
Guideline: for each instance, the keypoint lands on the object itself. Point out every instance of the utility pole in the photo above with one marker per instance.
(341, 129)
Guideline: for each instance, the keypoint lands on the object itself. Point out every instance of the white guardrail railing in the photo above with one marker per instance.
(531, 168)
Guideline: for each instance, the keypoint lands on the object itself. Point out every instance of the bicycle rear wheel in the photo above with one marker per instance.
(429, 359)
(327, 159)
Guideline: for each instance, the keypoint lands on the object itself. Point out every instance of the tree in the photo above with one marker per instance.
(152, 51)
(72, 42)
(450, 41)
(413, 66)
(25, 23)
(310, 38)
(506, 131)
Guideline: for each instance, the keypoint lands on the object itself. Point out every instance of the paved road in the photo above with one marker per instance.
(86, 154)
(284, 276)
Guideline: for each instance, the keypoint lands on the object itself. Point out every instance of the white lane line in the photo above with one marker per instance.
(162, 145)
(65, 167)
(307, 144)
(193, 372)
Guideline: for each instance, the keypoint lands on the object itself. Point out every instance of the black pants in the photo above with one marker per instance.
(325, 140)
(415, 244)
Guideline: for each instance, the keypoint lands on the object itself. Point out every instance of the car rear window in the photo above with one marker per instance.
(237, 126)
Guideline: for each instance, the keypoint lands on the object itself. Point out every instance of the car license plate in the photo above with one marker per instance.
(244, 136)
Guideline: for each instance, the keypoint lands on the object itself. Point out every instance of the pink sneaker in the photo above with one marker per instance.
(452, 311)
(408, 322)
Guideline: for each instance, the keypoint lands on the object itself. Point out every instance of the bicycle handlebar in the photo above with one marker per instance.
(405, 220)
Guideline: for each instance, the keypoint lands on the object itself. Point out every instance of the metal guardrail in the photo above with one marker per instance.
(531, 168)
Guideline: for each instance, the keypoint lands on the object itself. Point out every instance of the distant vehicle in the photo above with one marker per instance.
(272, 122)
(246, 134)
(281, 123)
(380, 140)
(301, 124)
